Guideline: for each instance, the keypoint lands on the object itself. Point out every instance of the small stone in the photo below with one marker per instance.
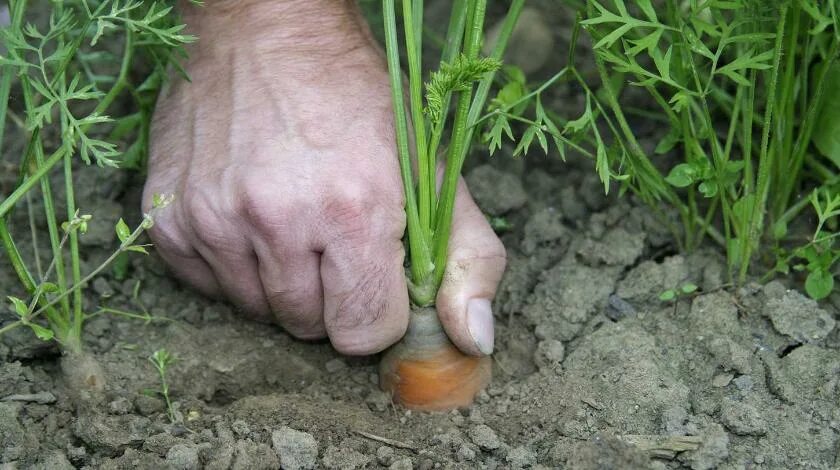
(120, 406)
(484, 437)
(730, 355)
(402, 464)
(147, 405)
(426, 464)
(385, 455)
(295, 449)
(102, 287)
(722, 380)
(618, 308)
(715, 449)
(465, 453)
(550, 353)
(78, 455)
(742, 418)
(336, 458)
(250, 455)
(160, 443)
(240, 428)
(744, 383)
(183, 457)
(378, 400)
(520, 457)
(335, 365)
(55, 460)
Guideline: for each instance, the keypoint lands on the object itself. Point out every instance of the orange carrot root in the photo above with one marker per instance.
(425, 371)
(443, 380)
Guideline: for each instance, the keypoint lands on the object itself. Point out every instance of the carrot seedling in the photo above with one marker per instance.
(162, 359)
(64, 83)
(425, 371)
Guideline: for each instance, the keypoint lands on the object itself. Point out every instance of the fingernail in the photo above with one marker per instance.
(480, 324)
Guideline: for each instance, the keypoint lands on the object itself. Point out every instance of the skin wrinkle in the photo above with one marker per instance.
(361, 300)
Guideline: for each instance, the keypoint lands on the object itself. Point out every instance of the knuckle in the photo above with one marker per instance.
(265, 208)
(206, 219)
(168, 238)
(349, 207)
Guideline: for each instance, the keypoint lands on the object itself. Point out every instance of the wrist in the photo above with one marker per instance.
(285, 29)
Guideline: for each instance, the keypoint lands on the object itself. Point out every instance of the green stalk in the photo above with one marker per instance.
(458, 145)
(454, 38)
(48, 200)
(421, 264)
(426, 174)
(444, 226)
(806, 131)
(786, 116)
(753, 234)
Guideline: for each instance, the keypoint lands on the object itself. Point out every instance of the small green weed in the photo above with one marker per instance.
(162, 359)
(679, 292)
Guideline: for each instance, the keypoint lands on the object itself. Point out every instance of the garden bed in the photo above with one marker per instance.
(592, 368)
(589, 361)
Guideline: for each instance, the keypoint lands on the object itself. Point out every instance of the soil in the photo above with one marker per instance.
(591, 370)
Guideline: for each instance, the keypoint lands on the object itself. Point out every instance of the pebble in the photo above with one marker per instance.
(183, 457)
(296, 450)
(722, 380)
(484, 437)
(344, 458)
(102, 287)
(402, 464)
(240, 428)
(552, 350)
(618, 308)
(520, 457)
(385, 455)
(465, 453)
(378, 400)
(147, 405)
(744, 383)
(742, 418)
(120, 406)
(335, 365)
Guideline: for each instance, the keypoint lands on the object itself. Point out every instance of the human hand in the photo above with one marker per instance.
(289, 203)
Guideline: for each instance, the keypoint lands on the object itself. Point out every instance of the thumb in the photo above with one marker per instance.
(476, 262)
